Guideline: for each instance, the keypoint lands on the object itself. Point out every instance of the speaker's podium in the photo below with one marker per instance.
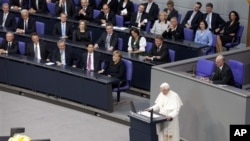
(143, 125)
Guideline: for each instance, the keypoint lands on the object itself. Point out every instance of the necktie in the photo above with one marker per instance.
(9, 46)
(138, 19)
(107, 44)
(36, 51)
(37, 6)
(64, 8)
(107, 16)
(158, 49)
(89, 63)
(61, 56)
(63, 30)
(25, 25)
(208, 20)
(4, 19)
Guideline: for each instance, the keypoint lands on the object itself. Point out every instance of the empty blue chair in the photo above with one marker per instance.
(136, 7)
(148, 26)
(171, 55)
(40, 27)
(120, 44)
(1, 40)
(129, 73)
(96, 13)
(119, 20)
(21, 46)
(52, 8)
(149, 46)
(238, 71)
(188, 34)
(204, 68)
(179, 18)
(236, 40)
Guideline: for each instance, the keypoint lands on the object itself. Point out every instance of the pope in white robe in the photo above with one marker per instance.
(168, 103)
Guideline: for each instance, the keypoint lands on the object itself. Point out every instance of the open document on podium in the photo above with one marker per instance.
(147, 114)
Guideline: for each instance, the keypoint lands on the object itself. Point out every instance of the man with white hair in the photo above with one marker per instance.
(168, 103)
(26, 24)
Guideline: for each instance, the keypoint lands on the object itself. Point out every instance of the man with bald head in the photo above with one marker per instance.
(223, 73)
(168, 103)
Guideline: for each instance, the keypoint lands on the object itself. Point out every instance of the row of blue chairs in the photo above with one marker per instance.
(205, 68)
(189, 35)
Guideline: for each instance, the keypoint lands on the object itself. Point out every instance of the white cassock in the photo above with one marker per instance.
(168, 105)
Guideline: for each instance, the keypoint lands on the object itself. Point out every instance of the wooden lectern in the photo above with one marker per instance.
(248, 24)
(143, 128)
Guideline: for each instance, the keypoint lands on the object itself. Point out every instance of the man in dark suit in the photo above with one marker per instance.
(170, 10)
(64, 55)
(19, 4)
(193, 17)
(213, 20)
(38, 49)
(85, 12)
(106, 16)
(90, 60)
(174, 30)
(63, 29)
(140, 18)
(65, 6)
(26, 24)
(159, 52)
(9, 45)
(108, 39)
(113, 4)
(38, 6)
(7, 19)
(223, 73)
(152, 9)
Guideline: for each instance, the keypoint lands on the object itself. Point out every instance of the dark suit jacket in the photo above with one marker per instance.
(153, 12)
(134, 17)
(173, 13)
(92, 4)
(113, 41)
(70, 9)
(195, 22)
(42, 4)
(10, 21)
(129, 7)
(57, 30)
(112, 4)
(45, 51)
(70, 57)
(116, 70)
(163, 52)
(228, 29)
(178, 34)
(97, 61)
(225, 76)
(88, 16)
(13, 49)
(216, 21)
(24, 5)
(31, 25)
(111, 18)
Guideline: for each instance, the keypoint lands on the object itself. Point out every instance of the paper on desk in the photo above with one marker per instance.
(120, 28)
(124, 11)
(147, 114)
(49, 63)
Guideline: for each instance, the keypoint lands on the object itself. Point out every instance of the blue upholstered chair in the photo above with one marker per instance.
(1, 40)
(204, 68)
(119, 20)
(21, 46)
(52, 8)
(40, 27)
(149, 46)
(120, 44)
(148, 26)
(129, 73)
(179, 18)
(238, 71)
(135, 7)
(171, 55)
(96, 13)
(236, 40)
(188, 34)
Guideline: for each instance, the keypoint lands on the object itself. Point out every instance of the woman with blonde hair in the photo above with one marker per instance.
(82, 34)
(161, 24)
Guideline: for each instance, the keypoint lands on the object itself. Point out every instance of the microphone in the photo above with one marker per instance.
(151, 115)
